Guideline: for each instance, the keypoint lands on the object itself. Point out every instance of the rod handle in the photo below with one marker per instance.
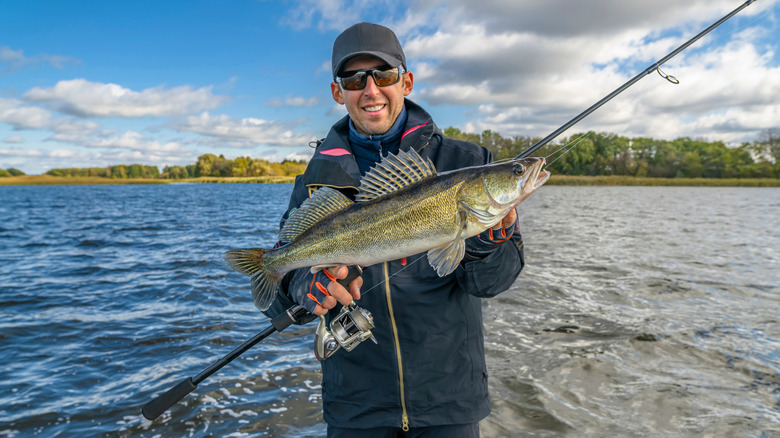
(164, 401)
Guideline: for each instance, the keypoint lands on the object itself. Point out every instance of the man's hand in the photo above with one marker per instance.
(501, 231)
(338, 293)
(508, 220)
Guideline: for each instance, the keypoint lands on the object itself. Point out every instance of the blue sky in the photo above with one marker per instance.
(96, 83)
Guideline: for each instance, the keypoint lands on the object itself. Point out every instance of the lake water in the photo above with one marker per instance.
(642, 311)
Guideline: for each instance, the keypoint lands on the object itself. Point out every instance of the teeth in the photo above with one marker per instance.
(374, 108)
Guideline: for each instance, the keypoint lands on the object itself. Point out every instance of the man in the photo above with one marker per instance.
(426, 376)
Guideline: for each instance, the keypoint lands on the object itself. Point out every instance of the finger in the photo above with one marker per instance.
(339, 292)
(510, 218)
(324, 306)
(339, 272)
(507, 220)
(354, 287)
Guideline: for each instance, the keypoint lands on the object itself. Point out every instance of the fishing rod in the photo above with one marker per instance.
(349, 328)
(161, 403)
(631, 82)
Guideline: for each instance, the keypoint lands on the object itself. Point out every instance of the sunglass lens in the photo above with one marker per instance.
(354, 82)
(384, 78)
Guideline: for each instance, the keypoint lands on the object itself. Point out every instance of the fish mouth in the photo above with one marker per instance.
(539, 175)
(535, 179)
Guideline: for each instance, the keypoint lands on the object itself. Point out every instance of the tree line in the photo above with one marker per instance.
(592, 153)
(588, 153)
(120, 171)
(219, 166)
(208, 165)
(4, 173)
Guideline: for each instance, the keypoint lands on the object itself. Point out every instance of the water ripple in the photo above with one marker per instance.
(643, 311)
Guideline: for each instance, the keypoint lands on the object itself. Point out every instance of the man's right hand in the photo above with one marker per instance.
(322, 290)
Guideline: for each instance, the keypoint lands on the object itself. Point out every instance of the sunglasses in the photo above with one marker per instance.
(357, 79)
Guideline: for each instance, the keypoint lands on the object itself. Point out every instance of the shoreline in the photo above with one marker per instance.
(565, 180)
(48, 180)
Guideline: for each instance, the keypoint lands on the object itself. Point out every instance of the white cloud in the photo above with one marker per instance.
(64, 153)
(13, 139)
(7, 54)
(336, 110)
(15, 60)
(16, 153)
(83, 98)
(251, 130)
(16, 114)
(25, 117)
(339, 14)
(527, 68)
(294, 101)
(129, 140)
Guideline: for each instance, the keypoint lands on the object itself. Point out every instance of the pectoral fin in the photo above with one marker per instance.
(446, 258)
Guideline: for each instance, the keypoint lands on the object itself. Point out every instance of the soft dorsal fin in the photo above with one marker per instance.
(323, 202)
(393, 173)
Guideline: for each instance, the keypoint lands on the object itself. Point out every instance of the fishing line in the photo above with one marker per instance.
(632, 98)
(363, 293)
(571, 144)
(568, 148)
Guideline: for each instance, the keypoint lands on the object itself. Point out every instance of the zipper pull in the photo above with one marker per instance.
(404, 423)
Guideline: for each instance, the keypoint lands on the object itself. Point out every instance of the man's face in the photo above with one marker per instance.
(373, 109)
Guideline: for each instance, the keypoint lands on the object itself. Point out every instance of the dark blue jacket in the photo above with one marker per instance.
(428, 367)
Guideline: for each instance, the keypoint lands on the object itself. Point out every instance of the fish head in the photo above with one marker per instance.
(494, 190)
(509, 184)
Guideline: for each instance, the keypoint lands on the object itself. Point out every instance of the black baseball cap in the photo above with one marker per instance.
(367, 39)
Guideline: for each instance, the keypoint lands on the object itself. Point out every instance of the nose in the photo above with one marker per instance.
(371, 87)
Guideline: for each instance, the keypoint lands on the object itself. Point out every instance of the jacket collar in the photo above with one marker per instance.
(333, 163)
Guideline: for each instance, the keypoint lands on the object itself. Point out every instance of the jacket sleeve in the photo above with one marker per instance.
(494, 273)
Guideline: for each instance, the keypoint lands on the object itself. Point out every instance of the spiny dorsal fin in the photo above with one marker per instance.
(322, 203)
(393, 173)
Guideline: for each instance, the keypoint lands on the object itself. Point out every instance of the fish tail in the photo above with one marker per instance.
(253, 264)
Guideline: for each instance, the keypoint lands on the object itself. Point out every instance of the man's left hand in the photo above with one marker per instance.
(508, 220)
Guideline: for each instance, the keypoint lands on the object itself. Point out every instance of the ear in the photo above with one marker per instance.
(335, 90)
(408, 83)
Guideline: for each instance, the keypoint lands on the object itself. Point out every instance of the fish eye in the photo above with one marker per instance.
(518, 169)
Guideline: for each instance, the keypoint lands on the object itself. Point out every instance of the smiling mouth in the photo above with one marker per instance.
(374, 108)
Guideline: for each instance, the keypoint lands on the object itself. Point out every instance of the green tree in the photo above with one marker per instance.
(691, 165)
(119, 171)
(205, 165)
(135, 171)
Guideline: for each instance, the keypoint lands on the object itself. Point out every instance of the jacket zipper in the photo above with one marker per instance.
(404, 417)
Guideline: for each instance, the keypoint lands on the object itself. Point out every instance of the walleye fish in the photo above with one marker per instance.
(403, 207)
